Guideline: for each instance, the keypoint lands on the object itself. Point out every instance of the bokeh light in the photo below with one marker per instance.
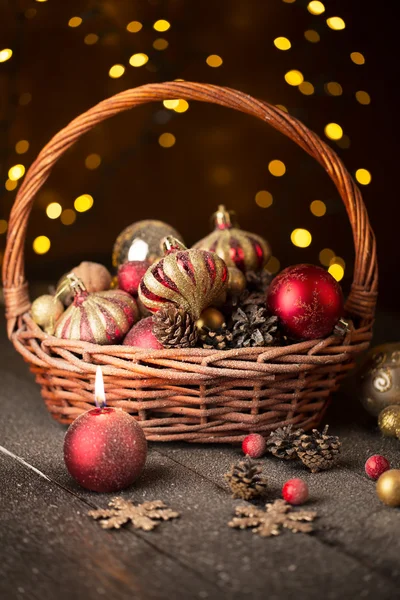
(357, 58)
(160, 44)
(273, 265)
(25, 99)
(134, 26)
(166, 140)
(363, 97)
(182, 106)
(68, 216)
(214, 60)
(138, 60)
(171, 104)
(92, 161)
(264, 199)
(41, 244)
(306, 88)
(161, 25)
(5, 54)
(315, 7)
(312, 36)
(54, 210)
(16, 172)
(90, 39)
(294, 77)
(277, 168)
(10, 185)
(325, 256)
(318, 208)
(83, 203)
(116, 71)
(74, 22)
(333, 131)
(336, 23)
(301, 238)
(363, 176)
(282, 43)
(22, 146)
(333, 88)
(336, 271)
(3, 226)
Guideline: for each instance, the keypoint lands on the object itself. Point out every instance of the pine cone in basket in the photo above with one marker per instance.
(282, 442)
(245, 480)
(220, 339)
(174, 327)
(258, 281)
(252, 327)
(318, 451)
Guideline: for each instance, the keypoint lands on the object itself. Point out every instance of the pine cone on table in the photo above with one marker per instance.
(245, 480)
(318, 451)
(174, 327)
(282, 442)
(220, 339)
(252, 327)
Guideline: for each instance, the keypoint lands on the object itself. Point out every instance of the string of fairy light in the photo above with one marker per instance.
(300, 237)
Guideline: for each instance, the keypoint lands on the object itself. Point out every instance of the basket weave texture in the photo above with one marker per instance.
(193, 394)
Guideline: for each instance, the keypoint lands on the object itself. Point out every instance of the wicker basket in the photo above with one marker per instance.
(194, 395)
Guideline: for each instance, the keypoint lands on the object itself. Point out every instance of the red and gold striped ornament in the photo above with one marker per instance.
(241, 249)
(100, 317)
(191, 279)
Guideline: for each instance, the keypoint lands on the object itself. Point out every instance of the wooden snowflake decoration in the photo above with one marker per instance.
(274, 519)
(144, 516)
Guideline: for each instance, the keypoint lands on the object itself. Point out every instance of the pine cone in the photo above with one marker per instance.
(245, 480)
(248, 299)
(252, 327)
(258, 281)
(174, 327)
(318, 451)
(282, 442)
(220, 339)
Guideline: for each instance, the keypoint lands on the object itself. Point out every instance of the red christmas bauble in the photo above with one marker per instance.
(254, 445)
(141, 335)
(376, 465)
(307, 300)
(105, 449)
(130, 275)
(295, 491)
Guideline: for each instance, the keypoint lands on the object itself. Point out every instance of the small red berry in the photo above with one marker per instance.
(254, 445)
(376, 465)
(295, 491)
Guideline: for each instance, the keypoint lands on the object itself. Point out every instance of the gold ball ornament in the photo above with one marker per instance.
(379, 378)
(388, 487)
(45, 311)
(236, 281)
(142, 241)
(211, 318)
(389, 421)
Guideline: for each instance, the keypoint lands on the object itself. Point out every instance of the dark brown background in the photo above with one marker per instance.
(219, 156)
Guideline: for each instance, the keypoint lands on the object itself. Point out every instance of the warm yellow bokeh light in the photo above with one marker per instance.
(318, 208)
(54, 210)
(90, 39)
(10, 185)
(357, 58)
(294, 77)
(333, 131)
(3, 226)
(315, 7)
(22, 146)
(264, 199)
(344, 142)
(182, 106)
(214, 60)
(282, 107)
(325, 256)
(138, 60)
(301, 238)
(93, 161)
(363, 176)
(171, 104)
(282, 43)
(336, 271)
(160, 44)
(24, 99)
(337, 260)
(74, 22)
(41, 0)
(288, 1)
(41, 244)
(363, 97)
(83, 203)
(116, 71)
(166, 140)
(161, 25)
(68, 216)
(306, 88)
(16, 172)
(134, 26)
(277, 168)
(334, 88)
(273, 265)
(312, 36)
(336, 23)
(5, 54)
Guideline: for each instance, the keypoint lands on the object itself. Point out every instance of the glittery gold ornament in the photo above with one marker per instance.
(388, 487)
(389, 420)
(210, 318)
(45, 311)
(94, 276)
(142, 241)
(379, 378)
(191, 279)
(100, 318)
(236, 281)
(238, 248)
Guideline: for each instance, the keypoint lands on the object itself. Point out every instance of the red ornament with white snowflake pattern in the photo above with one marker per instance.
(307, 300)
(295, 491)
(254, 445)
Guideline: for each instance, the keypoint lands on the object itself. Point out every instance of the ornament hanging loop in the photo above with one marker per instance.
(223, 219)
(171, 244)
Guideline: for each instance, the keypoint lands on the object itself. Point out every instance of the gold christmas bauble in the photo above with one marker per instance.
(236, 281)
(388, 487)
(389, 420)
(45, 311)
(379, 378)
(211, 318)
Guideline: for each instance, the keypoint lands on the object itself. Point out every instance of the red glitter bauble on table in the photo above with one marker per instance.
(295, 491)
(307, 300)
(105, 449)
(376, 465)
(254, 445)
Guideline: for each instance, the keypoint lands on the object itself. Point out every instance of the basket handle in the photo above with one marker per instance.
(362, 298)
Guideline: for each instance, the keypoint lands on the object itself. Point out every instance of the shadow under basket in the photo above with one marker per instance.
(193, 395)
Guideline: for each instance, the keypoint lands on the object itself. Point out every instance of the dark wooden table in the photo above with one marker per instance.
(50, 549)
